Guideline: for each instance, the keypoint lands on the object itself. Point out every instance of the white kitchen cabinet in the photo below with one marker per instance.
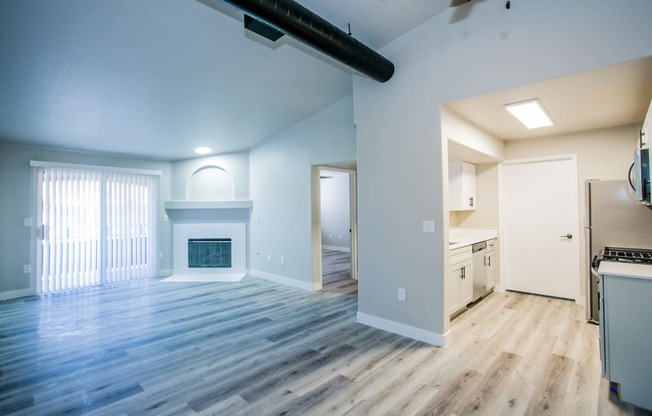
(646, 129)
(461, 186)
(459, 285)
(625, 338)
(490, 263)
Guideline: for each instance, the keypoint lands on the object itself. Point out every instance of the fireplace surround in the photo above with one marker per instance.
(203, 221)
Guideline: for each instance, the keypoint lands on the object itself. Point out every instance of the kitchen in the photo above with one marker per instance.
(602, 150)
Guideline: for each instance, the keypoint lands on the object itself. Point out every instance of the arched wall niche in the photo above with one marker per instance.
(210, 183)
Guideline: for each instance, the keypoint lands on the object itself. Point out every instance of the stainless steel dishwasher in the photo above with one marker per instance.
(479, 270)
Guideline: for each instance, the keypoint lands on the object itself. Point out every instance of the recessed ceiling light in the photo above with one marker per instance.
(530, 113)
(203, 150)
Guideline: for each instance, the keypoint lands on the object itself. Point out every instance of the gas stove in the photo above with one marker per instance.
(626, 255)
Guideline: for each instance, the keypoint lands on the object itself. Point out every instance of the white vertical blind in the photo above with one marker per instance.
(71, 229)
(98, 227)
(130, 227)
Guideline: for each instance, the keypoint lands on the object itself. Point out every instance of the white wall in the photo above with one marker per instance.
(398, 125)
(280, 186)
(235, 164)
(17, 203)
(335, 210)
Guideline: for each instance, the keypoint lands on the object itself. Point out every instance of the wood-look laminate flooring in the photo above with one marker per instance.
(259, 348)
(336, 272)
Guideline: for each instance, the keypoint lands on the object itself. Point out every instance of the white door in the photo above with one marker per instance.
(540, 227)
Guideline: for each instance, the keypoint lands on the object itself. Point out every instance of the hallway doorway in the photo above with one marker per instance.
(334, 234)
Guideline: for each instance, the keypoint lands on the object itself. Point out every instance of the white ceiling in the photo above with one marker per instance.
(156, 78)
(616, 95)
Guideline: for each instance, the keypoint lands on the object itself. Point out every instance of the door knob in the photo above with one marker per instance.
(569, 236)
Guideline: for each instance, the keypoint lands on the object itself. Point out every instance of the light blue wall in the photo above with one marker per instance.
(398, 126)
(17, 203)
(280, 186)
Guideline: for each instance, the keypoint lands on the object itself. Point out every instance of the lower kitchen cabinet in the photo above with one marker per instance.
(459, 285)
(625, 337)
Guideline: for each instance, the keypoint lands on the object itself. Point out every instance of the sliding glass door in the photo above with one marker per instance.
(96, 227)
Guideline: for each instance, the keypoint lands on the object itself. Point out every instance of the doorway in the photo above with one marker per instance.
(335, 232)
(540, 226)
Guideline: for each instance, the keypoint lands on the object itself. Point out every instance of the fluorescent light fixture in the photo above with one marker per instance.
(530, 113)
(203, 150)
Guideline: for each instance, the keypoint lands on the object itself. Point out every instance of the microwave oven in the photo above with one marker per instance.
(641, 167)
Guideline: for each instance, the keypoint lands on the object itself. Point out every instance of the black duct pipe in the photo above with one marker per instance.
(291, 18)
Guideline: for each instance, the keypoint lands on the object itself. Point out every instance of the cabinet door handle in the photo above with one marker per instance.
(463, 270)
(471, 201)
(489, 261)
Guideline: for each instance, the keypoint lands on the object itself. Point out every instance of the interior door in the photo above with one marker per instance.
(540, 227)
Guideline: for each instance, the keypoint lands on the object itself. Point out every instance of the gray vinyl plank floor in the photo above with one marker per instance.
(336, 272)
(150, 347)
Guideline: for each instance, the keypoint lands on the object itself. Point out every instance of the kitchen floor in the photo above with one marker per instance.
(260, 348)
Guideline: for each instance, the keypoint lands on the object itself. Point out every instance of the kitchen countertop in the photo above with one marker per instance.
(633, 270)
(466, 236)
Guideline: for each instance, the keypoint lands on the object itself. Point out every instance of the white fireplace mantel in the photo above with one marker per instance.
(208, 205)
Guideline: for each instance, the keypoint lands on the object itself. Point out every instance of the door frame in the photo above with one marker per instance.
(504, 282)
(316, 221)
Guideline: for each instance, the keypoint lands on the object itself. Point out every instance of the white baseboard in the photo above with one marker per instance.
(337, 248)
(165, 272)
(581, 300)
(284, 280)
(499, 288)
(13, 294)
(433, 338)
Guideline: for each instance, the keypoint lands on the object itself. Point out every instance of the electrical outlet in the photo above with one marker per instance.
(166, 218)
(27, 222)
(269, 257)
(282, 259)
(428, 226)
(402, 294)
(27, 268)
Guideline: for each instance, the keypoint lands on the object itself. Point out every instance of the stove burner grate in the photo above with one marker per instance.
(630, 255)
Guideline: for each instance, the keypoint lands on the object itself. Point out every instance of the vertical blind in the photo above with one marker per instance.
(97, 227)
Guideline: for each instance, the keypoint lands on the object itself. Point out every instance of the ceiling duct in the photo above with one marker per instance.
(289, 17)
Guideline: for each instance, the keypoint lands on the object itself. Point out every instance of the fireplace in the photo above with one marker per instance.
(209, 239)
(212, 253)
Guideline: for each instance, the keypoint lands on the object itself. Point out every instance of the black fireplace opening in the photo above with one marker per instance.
(209, 253)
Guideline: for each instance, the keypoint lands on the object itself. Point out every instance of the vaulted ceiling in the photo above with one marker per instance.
(157, 78)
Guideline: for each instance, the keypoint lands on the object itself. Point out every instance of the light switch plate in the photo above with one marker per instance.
(428, 226)
(401, 294)
(27, 222)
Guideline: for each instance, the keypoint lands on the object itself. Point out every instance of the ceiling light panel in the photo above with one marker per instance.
(531, 113)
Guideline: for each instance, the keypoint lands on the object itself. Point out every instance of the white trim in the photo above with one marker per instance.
(337, 248)
(567, 156)
(284, 280)
(235, 204)
(44, 164)
(13, 294)
(581, 300)
(433, 338)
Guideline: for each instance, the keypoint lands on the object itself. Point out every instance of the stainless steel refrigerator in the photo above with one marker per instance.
(613, 218)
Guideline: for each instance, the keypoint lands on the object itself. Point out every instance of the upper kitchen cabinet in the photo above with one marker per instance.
(461, 186)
